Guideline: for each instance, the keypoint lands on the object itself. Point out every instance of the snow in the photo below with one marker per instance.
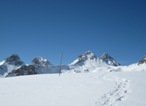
(137, 87)
(122, 88)
(53, 90)
(132, 67)
(88, 81)
(1, 63)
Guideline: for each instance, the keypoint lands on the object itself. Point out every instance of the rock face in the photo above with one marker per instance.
(142, 61)
(3, 69)
(10, 63)
(84, 57)
(87, 55)
(14, 60)
(41, 65)
(23, 70)
(109, 60)
(41, 62)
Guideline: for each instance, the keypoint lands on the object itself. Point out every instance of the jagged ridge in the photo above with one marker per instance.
(88, 61)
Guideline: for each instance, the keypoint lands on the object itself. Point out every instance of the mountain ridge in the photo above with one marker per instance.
(87, 61)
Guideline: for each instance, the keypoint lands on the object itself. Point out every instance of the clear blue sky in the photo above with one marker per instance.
(46, 28)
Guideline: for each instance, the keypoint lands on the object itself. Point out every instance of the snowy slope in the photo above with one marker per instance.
(137, 88)
(132, 67)
(52, 90)
(84, 89)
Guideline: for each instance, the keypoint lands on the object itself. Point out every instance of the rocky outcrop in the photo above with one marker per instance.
(3, 69)
(84, 57)
(14, 60)
(142, 61)
(23, 70)
(109, 60)
(41, 62)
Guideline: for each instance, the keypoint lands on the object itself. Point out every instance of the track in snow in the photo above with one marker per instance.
(117, 95)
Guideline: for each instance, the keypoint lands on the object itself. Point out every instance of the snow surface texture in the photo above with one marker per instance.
(69, 89)
(117, 95)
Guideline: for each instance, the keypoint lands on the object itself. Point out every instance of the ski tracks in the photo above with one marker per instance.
(117, 95)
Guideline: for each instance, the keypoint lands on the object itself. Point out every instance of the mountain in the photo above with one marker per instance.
(86, 62)
(10, 63)
(109, 60)
(41, 62)
(142, 61)
(14, 59)
(89, 55)
(38, 65)
(23, 70)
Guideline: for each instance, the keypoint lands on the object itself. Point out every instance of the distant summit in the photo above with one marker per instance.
(10, 63)
(40, 62)
(142, 61)
(89, 55)
(14, 59)
(109, 60)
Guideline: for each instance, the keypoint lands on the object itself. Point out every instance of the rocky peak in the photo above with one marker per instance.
(143, 60)
(14, 59)
(40, 61)
(109, 60)
(105, 55)
(87, 56)
(84, 57)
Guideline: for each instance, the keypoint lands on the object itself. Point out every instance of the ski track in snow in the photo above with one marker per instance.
(117, 95)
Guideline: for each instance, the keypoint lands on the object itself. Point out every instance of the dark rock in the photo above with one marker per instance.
(3, 69)
(14, 60)
(109, 60)
(40, 62)
(142, 61)
(23, 70)
(86, 56)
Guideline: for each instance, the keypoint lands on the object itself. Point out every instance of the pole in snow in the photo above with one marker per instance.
(60, 64)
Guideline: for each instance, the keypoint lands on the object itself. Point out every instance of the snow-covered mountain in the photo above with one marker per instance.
(10, 63)
(109, 60)
(41, 65)
(87, 56)
(44, 66)
(38, 65)
(86, 62)
(139, 66)
(41, 62)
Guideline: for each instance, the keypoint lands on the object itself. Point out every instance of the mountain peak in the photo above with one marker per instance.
(105, 55)
(143, 60)
(88, 55)
(40, 61)
(109, 60)
(14, 59)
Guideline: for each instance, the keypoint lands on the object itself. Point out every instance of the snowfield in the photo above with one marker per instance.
(72, 89)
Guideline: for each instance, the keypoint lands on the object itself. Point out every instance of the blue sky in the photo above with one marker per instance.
(47, 28)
